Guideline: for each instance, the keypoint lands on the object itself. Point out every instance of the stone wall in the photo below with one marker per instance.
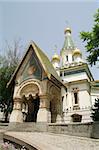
(76, 129)
(28, 127)
(95, 130)
(3, 128)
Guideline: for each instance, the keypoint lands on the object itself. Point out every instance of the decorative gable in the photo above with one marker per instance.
(36, 65)
(30, 68)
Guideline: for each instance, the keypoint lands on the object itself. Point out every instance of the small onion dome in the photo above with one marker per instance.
(67, 30)
(56, 57)
(77, 52)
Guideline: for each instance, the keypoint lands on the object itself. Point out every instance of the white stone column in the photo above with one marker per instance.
(44, 114)
(16, 115)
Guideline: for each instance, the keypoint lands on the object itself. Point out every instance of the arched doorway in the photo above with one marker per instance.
(30, 102)
(30, 107)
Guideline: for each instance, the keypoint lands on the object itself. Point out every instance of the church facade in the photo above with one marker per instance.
(75, 74)
(61, 90)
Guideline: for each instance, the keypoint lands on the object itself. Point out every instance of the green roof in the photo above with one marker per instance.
(68, 43)
(46, 63)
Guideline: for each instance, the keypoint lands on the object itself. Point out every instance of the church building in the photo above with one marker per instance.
(62, 90)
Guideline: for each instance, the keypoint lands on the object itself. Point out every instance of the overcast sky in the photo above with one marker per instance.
(44, 22)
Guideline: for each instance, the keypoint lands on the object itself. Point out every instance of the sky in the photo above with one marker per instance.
(44, 23)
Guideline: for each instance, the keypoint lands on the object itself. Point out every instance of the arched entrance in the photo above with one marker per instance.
(30, 107)
(30, 102)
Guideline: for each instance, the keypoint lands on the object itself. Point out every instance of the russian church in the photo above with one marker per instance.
(62, 90)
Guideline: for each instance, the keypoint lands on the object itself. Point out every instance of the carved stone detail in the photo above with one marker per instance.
(29, 89)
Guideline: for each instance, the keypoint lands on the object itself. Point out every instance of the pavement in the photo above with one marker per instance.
(51, 141)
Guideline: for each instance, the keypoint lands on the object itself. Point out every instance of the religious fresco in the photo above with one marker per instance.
(32, 69)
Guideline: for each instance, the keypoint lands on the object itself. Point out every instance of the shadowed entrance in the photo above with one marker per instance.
(32, 105)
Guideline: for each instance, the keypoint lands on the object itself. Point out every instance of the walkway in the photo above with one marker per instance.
(50, 141)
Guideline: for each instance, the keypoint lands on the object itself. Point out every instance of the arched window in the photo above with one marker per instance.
(75, 96)
(75, 99)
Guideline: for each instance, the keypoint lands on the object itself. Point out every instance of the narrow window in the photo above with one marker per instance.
(66, 90)
(60, 74)
(65, 73)
(66, 99)
(62, 98)
(76, 98)
(72, 58)
(66, 58)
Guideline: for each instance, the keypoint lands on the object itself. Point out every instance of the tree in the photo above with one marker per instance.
(12, 56)
(5, 93)
(8, 64)
(92, 41)
(95, 110)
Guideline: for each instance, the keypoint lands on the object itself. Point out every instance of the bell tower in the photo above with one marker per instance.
(67, 50)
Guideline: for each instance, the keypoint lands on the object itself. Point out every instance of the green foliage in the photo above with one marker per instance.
(6, 93)
(92, 41)
(95, 110)
(8, 63)
(5, 74)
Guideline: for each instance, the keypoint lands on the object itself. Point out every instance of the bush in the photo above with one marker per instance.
(95, 110)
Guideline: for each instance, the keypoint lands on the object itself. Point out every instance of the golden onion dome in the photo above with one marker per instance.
(77, 52)
(55, 57)
(67, 30)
